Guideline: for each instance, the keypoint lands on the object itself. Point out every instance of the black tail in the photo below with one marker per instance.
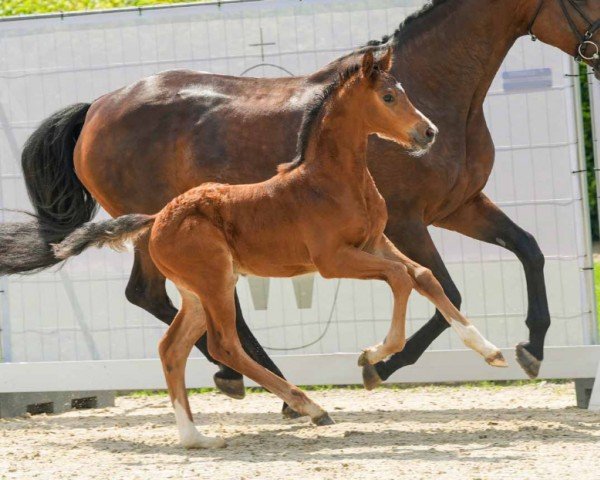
(113, 233)
(61, 202)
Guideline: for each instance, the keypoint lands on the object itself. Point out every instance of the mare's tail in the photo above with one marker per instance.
(60, 200)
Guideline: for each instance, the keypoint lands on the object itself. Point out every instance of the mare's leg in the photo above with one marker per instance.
(482, 220)
(174, 349)
(414, 240)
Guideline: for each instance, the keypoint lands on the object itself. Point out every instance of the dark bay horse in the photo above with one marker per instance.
(321, 212)
(137, 148)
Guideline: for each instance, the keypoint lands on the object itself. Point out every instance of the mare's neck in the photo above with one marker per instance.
(450, 55)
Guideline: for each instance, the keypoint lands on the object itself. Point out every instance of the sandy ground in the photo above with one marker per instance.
(515, 432)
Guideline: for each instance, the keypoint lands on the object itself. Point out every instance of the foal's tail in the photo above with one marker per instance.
(113, 233)
(60, 200)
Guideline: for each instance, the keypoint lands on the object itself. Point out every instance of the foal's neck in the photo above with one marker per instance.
(338, 147)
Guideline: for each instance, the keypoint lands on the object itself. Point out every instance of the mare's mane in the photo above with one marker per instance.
(423, 12)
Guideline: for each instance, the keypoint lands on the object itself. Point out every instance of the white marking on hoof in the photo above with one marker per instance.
(371, 355)
(497, 360)
(473, 339)
(189, 437)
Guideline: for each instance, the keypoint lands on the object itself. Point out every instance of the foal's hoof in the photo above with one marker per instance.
(289, 413)
(528, 362)
(363, 360)
(497, 360)
(371, 378)
(323, 420)
(233, 388)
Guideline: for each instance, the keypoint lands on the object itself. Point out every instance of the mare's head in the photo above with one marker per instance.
(386, 109)
(571, 25)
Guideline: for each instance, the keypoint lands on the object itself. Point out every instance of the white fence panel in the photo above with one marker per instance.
(80, 313)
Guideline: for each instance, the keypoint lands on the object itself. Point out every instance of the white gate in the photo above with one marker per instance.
(80, 314)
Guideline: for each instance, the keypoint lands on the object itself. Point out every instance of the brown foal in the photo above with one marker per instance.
(322, 212)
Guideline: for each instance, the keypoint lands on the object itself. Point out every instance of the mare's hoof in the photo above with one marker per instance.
(233, 388)
(289, 413)
(528, 362)
(497, 360)
(323, 420)
(371, 378)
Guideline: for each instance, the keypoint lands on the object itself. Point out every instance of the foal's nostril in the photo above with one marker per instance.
(430, 133)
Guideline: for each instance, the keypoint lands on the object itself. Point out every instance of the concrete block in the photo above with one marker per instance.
(583, 391)
(16, 404)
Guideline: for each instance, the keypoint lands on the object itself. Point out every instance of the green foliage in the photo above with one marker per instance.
(27, 7)
(589, 150)
(597, 285)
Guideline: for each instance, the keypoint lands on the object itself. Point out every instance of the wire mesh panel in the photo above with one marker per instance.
(80, 311)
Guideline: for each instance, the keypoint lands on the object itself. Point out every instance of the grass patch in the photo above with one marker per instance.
(597, 287)
(492, 385)
(29, 7)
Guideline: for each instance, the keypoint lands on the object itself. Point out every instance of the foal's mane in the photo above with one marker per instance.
(423, 12)
(313, 113)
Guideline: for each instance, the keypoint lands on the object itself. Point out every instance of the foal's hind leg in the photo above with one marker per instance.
(224, 345)
(146, 289)
(200, 261)
(174, 349)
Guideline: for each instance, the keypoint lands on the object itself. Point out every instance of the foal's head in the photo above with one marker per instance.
(386, 109)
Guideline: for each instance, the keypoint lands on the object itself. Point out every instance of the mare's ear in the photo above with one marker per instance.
(368, 64)
(385, 62)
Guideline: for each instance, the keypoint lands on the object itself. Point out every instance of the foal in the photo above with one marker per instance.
(320, 212)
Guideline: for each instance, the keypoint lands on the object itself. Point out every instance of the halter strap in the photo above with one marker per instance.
(570, 20)
(535, 16)
(583, 38)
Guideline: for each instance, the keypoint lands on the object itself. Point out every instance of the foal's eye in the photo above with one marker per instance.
(388, 98)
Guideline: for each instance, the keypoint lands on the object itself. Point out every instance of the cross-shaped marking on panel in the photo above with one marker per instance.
(262, 45)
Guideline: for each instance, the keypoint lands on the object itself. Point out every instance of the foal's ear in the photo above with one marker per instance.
(385, 62)
(368, 64)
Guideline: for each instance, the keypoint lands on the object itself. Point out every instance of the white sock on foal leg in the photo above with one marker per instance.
(472, 338)
(189, 436)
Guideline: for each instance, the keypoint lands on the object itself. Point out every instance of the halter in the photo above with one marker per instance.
(585, 39)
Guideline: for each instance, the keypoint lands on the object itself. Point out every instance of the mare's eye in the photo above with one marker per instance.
(388, 98)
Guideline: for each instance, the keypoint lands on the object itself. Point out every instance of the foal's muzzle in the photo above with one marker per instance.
(424, 136)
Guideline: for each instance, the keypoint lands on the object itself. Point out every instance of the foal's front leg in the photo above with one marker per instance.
(350, 262)
(428, 286)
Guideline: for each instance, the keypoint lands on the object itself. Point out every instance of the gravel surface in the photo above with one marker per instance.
(513, 432)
